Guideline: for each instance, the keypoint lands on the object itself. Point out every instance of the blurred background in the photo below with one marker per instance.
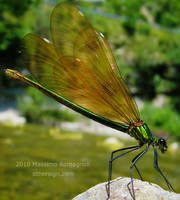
(51, 152)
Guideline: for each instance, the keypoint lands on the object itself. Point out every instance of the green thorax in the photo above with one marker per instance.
(142, 134)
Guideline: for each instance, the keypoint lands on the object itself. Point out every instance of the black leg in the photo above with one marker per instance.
(130, 149)
(136, 166)
(159, 170)
(132, 193)
(132, 160)
(123, 149)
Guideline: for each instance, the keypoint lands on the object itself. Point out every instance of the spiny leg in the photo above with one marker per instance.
(135, 161)
(156, 166)
(133, 148)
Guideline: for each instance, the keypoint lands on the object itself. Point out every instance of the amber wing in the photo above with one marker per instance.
(78, 64)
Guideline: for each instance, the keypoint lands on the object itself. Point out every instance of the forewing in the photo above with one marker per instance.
(80, 66)
(102, 90)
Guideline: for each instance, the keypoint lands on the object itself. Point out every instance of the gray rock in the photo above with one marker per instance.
(119, 191)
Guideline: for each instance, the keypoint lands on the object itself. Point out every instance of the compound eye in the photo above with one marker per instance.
(162, 145)
(162, 141)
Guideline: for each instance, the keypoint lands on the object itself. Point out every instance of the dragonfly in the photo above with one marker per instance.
(77, 69)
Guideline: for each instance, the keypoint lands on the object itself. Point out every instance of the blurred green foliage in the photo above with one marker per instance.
(16, 19)
(38, 108)
(164, 118)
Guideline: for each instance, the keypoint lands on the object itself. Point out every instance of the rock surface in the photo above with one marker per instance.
(119, 191)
